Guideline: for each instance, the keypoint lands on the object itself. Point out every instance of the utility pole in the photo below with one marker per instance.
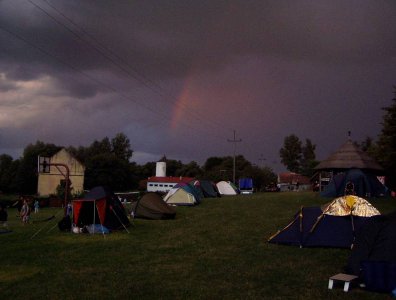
(261, 161)
(234, 141)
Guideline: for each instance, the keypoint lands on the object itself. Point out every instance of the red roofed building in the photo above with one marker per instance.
(164, 184)
(289, 181)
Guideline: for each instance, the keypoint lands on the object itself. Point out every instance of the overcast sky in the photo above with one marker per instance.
(178, 77)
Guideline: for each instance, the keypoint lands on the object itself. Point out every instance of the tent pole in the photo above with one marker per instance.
(120, 220)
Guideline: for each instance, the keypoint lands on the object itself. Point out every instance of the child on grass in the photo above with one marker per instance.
(25, 212)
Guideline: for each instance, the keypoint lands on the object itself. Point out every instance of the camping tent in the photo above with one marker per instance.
(375, 241)
(151, 206)
(100, 206)
(365, 184)
(206, 188)
(373, 254)
(226, 188)
(333, 226)
(183, 194)
(181, 197)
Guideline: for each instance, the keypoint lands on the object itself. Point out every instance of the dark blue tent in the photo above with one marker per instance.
(373, 255)
(311, 228)
(206, 188)
(246, 185)
(365, 184)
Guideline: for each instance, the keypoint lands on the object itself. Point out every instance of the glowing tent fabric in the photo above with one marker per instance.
(350, 204)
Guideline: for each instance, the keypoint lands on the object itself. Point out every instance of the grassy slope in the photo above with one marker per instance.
(217, 250)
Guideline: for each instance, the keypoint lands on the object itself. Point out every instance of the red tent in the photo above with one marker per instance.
(100, 206)
(99, 209)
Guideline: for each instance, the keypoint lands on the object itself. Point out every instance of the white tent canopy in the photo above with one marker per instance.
(225, 188)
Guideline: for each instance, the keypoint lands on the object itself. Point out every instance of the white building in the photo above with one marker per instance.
(162, 183)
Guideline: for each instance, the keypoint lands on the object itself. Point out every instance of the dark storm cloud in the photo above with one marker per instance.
(166, 39)
(266, 68)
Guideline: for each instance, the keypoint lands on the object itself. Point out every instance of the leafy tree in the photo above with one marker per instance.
(308, 161)
(98, 148)
(291, 153)
(212, 163)
(6, 168)
(221, 168)
(107, 163)
(191, 169)
(108, 170)
(26, 176)
(386, 151)
(262, 177)
(121, 147)
(173, 167)
(369, 146)
(146, 170)
(218, 168)
(298, 158)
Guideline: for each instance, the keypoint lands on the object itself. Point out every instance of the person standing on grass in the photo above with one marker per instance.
(25, 212)
(69, 209)
(36, 206)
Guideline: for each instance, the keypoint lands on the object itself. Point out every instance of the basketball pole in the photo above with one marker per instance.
(65, 175)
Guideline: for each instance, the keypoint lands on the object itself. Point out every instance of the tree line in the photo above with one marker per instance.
(108, 162)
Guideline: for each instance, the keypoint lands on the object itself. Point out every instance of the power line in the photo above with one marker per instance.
(98, 82)
(116, 60)
(136, 76)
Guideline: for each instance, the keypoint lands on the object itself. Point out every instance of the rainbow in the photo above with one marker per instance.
(182, 103)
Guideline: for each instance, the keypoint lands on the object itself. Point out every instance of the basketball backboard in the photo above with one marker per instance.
(43, 164)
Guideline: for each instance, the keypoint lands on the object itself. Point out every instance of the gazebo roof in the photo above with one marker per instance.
(349, 156)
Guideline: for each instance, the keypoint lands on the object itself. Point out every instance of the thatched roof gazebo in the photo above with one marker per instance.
(349, 156)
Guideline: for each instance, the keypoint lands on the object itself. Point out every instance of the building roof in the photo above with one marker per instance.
(293, 178)
(170, 179)
(349, 156)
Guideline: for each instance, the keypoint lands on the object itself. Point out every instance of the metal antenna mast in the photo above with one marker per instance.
(234, 141)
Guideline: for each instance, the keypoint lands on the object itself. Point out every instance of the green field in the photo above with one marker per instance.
(217, 250)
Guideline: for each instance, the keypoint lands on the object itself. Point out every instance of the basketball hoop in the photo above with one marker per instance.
(44, 164)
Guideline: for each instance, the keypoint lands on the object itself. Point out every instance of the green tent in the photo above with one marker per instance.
(151, 206)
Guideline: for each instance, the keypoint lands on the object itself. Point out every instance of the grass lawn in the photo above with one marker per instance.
(217, 250)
